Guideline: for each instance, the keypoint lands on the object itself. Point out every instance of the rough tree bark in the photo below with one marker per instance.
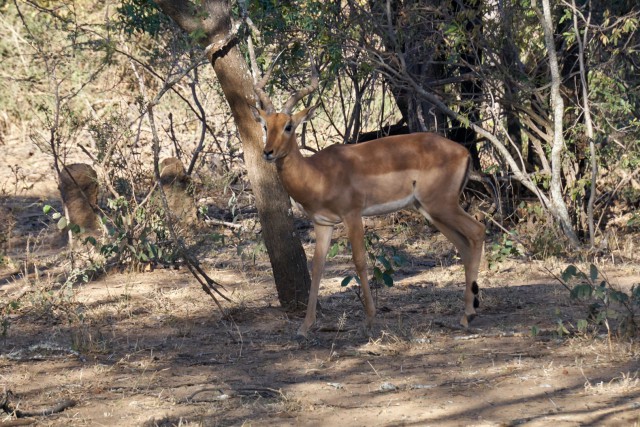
(286, 254)
(558, 145)
(586, 110)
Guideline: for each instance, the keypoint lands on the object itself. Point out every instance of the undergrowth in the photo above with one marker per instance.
(605, 305)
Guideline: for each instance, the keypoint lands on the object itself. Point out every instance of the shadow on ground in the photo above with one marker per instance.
(151, 349)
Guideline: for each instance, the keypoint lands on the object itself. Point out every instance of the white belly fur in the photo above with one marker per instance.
(318, 218)
(388, 207)
(372, 210)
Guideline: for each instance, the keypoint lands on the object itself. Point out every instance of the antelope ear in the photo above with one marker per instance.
(258, 114)
(304, 115)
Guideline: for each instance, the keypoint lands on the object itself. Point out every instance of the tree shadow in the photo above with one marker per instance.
(253, 350)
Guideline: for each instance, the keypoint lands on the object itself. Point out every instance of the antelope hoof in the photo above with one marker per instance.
(305, 341)
(367, 328)
(365, 331)
(466, 319)
(301, 336)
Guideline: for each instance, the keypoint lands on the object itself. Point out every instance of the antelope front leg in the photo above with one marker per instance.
(356, 237)
(467, 235)
(323, 241)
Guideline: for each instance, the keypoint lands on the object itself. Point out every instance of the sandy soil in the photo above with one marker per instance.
(151, 348)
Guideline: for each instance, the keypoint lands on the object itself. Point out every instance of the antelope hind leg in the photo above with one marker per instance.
(467, 235)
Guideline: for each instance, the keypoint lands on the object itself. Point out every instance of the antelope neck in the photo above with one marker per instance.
(297, 174)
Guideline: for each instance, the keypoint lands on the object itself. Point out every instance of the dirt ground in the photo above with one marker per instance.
(147, 349)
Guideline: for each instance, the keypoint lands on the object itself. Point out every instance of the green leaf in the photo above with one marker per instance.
(62, 223)
(152, 250)
(46, 208)
(398, 259)
(56, 215)
(561, 329)
(91, 240)
(582, 325)
(198, 35)
(109, 250)
(581, 291)
(346, 281)
(593, 272)
(377, 273)
(602, 315)
(612, 314)
(619, 296)
(384, 261)
(387, 279)
(569, 272)
(333, 251)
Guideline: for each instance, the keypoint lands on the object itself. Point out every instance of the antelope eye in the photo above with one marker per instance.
(288, 127)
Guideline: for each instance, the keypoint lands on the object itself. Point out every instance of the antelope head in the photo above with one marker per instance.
(280, 127)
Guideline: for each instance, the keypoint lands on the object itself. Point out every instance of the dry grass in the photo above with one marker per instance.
(131, 348)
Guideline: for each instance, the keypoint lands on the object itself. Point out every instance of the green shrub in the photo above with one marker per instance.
(604, 303)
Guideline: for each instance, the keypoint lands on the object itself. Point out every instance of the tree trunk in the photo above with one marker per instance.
(286, 254)
(586, 109)
(558, 146)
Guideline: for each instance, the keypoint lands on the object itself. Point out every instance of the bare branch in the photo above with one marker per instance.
(203, 119)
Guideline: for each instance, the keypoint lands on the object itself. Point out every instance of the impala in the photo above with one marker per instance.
(343, 183)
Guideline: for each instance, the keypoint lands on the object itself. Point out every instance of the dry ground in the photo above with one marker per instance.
(152, 349)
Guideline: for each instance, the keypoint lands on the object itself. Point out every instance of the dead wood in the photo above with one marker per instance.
(8, 405)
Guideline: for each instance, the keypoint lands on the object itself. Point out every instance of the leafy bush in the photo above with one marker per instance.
(604, 303)
(136, 236)
(507, 247)
(385, 260)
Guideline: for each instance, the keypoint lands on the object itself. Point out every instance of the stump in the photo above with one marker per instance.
(78, 185)
(175, 184)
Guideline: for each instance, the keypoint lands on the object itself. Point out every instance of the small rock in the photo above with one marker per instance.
(422, 386)
(388, 387)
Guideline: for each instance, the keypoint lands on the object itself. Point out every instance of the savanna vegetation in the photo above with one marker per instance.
(544, 94)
